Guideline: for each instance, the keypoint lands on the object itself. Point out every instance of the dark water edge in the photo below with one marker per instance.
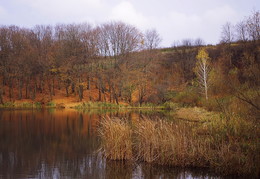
(64, 144)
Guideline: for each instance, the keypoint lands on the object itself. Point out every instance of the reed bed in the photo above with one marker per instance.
(117, 139)
(169, 144)
(226, 147)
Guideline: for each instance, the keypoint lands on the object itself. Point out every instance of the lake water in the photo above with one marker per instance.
(64, 144)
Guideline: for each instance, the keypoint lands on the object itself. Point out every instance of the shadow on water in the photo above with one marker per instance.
(63, 143)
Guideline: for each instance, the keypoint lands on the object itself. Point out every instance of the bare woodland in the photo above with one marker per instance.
(124, 64)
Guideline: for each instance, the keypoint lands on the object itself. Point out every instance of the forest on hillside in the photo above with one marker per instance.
(116, 62)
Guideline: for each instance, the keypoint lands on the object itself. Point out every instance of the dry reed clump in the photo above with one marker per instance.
(116, 138)
(167, 143)
(227, 147)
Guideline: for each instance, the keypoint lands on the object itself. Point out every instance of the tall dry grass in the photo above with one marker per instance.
(116, 138)
(169, 144)
(227, 147)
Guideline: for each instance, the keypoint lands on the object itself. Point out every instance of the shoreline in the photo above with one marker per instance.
(82, 105)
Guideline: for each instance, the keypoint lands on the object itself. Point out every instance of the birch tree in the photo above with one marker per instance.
(202, 70)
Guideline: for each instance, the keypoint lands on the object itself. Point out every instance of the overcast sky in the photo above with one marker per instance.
(173, 19)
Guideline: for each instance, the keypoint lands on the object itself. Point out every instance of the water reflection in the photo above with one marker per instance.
(64, 143)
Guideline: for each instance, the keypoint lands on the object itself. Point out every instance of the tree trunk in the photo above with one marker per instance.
(110, 93)
(50, 90)
(88, 83)
(130, 98)
(59, 82)
(80, 92)
(142, 94)
(1, 97)
(140, 100)
(11, 89)
(116, 98)
(27, 88)
(67, 90)
(99, 94)
(20, 89)
(104, 97)
(205, 80)
(110, 96)
(33, 96)
(41, 87)
(53, 91)
(73, 87)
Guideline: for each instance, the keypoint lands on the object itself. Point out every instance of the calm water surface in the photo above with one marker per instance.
(64, 144)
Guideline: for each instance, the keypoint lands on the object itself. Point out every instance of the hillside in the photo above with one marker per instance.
(154, 76)
(116, 63)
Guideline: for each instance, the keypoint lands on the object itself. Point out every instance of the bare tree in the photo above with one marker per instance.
(241, 31)
(175, 44)
(199, 42)
(151, 39)
(187, 42)
(253, 26)
(227, 35)
(118, 39)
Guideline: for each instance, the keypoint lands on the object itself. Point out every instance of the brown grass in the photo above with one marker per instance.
(227, 147)
(167, 143)
(117, 139)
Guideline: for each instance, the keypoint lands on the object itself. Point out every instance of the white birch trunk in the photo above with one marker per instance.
(203, 75)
